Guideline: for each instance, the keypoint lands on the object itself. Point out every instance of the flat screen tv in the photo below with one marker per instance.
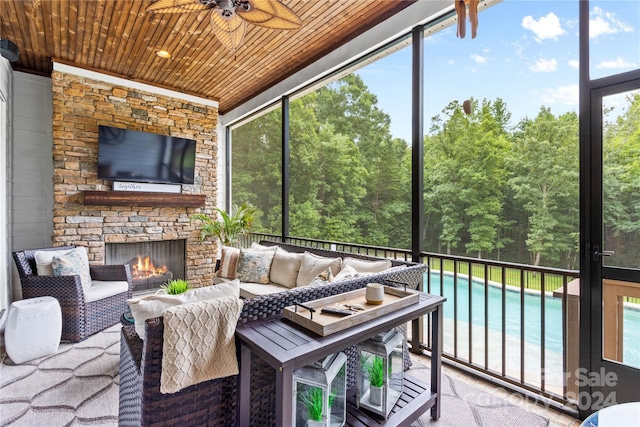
(129, 155)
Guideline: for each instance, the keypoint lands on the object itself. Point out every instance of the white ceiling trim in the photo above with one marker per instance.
(63, 68)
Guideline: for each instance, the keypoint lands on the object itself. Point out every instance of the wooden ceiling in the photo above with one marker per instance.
(117, 37)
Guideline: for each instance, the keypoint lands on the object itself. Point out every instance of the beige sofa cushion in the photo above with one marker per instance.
(44, 258)
(150, 306)
(251, 290)
(285, 268)
(259, 247)
(103, 289)
(366, 266)
(312, 265)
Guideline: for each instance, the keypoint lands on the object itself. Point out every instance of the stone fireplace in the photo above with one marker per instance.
(152, 264)
(83, 103)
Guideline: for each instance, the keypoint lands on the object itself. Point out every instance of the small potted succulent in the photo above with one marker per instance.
(174, 287)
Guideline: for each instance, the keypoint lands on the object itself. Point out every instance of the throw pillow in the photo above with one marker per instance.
(366, 266)
(312, 265)
(228, 262)
(150, 306)
(285, 268)
(322, 278)
(73, 263)
(254, 266)
(43, 260)
(347, 272)
(259, 247)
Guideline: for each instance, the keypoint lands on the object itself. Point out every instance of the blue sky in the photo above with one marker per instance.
(525, 52)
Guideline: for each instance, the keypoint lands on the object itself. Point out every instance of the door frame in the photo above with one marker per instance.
(601, 382)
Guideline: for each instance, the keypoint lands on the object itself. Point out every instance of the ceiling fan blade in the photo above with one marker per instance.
(271, 14)
(176, 6)
(229, 30)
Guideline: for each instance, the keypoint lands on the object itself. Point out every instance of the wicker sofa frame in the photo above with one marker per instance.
(214, 403)
(80, 319)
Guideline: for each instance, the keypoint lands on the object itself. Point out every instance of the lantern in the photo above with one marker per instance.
(319, 393)
(380, 372)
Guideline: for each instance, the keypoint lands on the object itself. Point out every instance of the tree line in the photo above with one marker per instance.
(491, 189)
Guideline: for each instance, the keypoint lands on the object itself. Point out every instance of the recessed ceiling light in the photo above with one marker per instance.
(163, 54)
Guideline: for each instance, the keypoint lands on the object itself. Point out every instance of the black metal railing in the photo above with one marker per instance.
(501, 319)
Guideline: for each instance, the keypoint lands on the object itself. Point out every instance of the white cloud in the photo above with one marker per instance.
(450, 62)
(574, 63)
(544, 65)
(478, 59)
(601, 22)
(566, 95)
(617, 63)
(547, 27)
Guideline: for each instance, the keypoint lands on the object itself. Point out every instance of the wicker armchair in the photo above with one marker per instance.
(214, 403)
(80, 319)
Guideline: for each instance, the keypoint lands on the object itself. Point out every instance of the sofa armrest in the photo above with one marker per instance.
(66, 289)
(130, 409)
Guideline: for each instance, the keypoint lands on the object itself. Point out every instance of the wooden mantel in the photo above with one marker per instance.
(139, 198)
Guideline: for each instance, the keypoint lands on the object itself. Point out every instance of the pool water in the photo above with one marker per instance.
(532, 314)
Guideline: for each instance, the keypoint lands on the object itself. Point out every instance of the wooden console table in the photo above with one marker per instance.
(286, 347)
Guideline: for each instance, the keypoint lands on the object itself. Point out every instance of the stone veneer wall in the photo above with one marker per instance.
(81, 104)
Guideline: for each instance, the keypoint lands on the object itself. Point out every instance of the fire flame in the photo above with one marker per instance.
(144, 268)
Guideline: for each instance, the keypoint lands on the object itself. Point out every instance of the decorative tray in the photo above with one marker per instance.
(327, 324)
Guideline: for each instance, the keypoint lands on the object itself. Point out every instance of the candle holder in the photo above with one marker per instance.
(380, 372)
(319, 393)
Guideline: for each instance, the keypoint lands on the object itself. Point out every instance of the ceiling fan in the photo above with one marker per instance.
(229, 17)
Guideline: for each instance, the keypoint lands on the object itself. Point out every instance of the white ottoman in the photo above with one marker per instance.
(33, 328)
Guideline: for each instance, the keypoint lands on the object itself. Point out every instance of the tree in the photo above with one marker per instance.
(621, 184)
(544, 178)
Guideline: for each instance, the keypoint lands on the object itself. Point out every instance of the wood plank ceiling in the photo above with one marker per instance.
(117, 37)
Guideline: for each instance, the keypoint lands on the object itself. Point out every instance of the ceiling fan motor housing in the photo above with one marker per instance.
(9, 50)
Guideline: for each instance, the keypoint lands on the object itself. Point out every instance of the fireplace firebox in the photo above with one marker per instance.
(152, 264)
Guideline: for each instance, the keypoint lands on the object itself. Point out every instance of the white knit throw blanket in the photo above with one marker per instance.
(199, 342)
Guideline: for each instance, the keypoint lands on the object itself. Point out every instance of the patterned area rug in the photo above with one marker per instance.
(76, 386)
(79, 386)
(465, 405)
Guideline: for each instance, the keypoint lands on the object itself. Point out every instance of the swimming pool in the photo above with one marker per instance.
(532, 314)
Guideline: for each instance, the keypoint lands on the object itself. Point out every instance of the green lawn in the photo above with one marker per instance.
(513, 276)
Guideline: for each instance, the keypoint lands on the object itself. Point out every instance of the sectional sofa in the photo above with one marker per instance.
(214, 402)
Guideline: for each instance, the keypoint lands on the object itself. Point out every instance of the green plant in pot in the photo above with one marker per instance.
(175, 287)
(375, 369)
(312, 400)
(229, 226)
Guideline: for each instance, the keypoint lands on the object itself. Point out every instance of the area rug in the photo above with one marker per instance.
(78, 386)
(465, 405)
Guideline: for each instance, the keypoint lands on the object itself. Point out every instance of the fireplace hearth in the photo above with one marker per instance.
(152, 264)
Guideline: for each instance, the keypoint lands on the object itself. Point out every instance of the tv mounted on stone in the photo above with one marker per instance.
(129, 155)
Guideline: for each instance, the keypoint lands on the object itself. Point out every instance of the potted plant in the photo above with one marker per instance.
(312, 399)
(174, 287)
(229, 226)
(375, 369)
